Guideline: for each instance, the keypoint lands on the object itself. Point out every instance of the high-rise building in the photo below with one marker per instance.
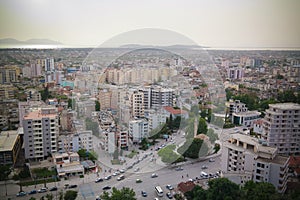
(49, 64)
(246, 158)
(40, 133)
(157, 97)
(137, 104)
(281, 126)
(235, 73)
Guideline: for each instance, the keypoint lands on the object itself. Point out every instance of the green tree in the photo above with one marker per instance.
(70, 195)
(71, 103)
(196, 193)
(97, 105)
(222, 188)
(287, 96)
(259, 191)
(5, 171)
(125, 194)
(191, 148)
(49, 196)
(202, 126)
(82, 153)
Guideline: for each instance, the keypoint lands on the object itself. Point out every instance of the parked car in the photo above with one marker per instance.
(154, 175)
(144, 193)
(178, 168)
(211, 160)
(42, 190)
(32, 192)
(72, 186)
(107, 177)
(53, 188)
(21, 194)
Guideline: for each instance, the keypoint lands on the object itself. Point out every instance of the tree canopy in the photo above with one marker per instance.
(70, 195)
(125, 194)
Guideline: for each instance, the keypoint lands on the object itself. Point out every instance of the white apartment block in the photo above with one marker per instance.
(246, 158)
(155, 118)
(40, 133)
(281, 126)
(138, 129)
(246, 118)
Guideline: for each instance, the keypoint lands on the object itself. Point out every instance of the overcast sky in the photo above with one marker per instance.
(215, 23)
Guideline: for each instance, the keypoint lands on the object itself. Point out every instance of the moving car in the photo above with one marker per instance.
(144, 194)
(169, 195)
(98, 180)
(178, 168)
(154, 175)
(169, 187)
(138, 180)
(106, 187)
(120, 177)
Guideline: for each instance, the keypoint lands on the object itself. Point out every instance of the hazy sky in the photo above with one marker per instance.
(215, 23)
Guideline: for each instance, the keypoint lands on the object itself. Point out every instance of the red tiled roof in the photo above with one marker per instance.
(174, 111)
(185, 186)
(294, 161)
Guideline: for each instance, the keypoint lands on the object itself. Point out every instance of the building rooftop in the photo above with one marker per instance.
(7, 140)
(247, 113)
(38, 115)
(288, 106)
(281, 160)
(174, 111)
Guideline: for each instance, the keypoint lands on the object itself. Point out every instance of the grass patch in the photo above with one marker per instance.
(132, 154)
(115, 162)
(168, 155)
(40, 181)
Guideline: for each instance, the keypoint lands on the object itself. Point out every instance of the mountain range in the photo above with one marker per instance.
(14, 42)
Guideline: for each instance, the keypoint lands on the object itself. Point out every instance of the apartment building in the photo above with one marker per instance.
(67, 164)
(9, 74)
(138, 129)
(281, 126)
(10, 146)
(246, 158)
(75, 142)
(9, 114)
(137, 104)
(40, 133)
(7, 91)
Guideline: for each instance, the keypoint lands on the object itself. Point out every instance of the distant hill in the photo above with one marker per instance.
(153, 46)
(14, 42)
